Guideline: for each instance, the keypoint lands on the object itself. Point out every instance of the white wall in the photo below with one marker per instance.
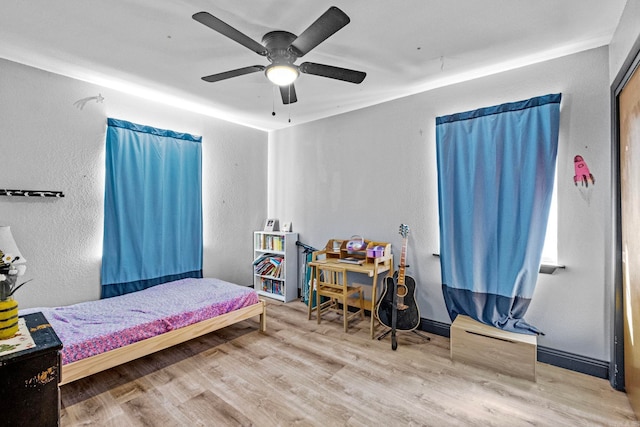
(626, 35)
(367, 171)
(47, 143)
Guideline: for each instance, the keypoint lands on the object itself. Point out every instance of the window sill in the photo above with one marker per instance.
(550, 268)
(545, 268)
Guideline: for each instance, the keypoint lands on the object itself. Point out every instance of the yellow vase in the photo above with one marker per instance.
(8, 318)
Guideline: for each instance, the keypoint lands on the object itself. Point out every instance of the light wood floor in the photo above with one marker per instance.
(299, 373)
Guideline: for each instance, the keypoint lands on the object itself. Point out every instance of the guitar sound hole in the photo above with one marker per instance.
(402, 291)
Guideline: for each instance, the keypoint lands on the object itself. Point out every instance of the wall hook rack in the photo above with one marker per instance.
(31, 193)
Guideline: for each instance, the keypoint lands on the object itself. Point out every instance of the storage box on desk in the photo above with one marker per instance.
(377, 250)
(478, 344)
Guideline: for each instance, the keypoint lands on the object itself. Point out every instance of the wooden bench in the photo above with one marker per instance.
(478, 344)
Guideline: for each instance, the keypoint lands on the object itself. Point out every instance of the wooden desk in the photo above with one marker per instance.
(371, 269)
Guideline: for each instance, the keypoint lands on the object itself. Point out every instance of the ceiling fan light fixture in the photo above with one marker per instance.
(282, 74)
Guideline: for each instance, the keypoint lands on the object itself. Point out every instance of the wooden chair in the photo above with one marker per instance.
(331, 282)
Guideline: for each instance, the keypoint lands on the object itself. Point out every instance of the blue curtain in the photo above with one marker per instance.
(152, 209)
(496, 168)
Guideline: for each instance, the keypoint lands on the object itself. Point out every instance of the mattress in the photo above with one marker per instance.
(90, 328)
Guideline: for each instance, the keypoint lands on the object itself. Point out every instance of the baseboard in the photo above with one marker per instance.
(574, 362)
(559, 358)
(433, 327)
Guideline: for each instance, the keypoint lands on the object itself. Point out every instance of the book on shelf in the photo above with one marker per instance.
(269, 242)
(352, 260)
(269, 265)
(272, 286)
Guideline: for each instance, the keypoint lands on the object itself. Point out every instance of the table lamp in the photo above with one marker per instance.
(12, 265)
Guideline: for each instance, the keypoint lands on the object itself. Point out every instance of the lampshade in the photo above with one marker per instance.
(8, 244)
(282, 75)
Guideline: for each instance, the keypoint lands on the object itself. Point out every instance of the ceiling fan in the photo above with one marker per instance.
(282, 49)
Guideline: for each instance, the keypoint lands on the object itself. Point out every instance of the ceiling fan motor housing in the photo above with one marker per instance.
(277, 44)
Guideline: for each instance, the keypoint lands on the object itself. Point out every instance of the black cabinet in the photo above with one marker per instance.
(29, 393)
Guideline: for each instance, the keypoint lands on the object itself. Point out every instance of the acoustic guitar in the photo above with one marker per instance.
(397, 308)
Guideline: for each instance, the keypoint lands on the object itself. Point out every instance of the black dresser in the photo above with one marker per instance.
(29, 393)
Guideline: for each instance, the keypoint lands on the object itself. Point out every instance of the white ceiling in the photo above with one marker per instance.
(154, 47)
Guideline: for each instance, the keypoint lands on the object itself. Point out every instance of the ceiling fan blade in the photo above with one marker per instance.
(233, 73)
(288, 94)
(344, 74)
(227, 30)
(323, 28)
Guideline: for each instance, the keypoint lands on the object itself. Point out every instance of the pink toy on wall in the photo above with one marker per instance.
(582, 173)
(584, 177)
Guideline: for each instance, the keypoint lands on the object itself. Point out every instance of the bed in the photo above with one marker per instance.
(98, 335)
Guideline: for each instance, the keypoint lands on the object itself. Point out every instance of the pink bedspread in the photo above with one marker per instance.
(94, 327)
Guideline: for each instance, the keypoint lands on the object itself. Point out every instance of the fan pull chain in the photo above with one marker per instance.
(290, 103)
(273, 101)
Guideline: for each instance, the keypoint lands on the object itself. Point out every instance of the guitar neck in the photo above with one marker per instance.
(402, 262)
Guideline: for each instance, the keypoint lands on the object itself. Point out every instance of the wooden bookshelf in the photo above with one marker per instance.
(275, 264)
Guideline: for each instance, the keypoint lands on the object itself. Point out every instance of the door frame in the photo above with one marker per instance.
(616, 365)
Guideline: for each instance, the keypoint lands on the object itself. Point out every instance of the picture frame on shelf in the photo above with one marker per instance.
(271, 224)
(287, 227)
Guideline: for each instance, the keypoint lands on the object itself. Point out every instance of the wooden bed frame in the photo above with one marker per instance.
(100, 362)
